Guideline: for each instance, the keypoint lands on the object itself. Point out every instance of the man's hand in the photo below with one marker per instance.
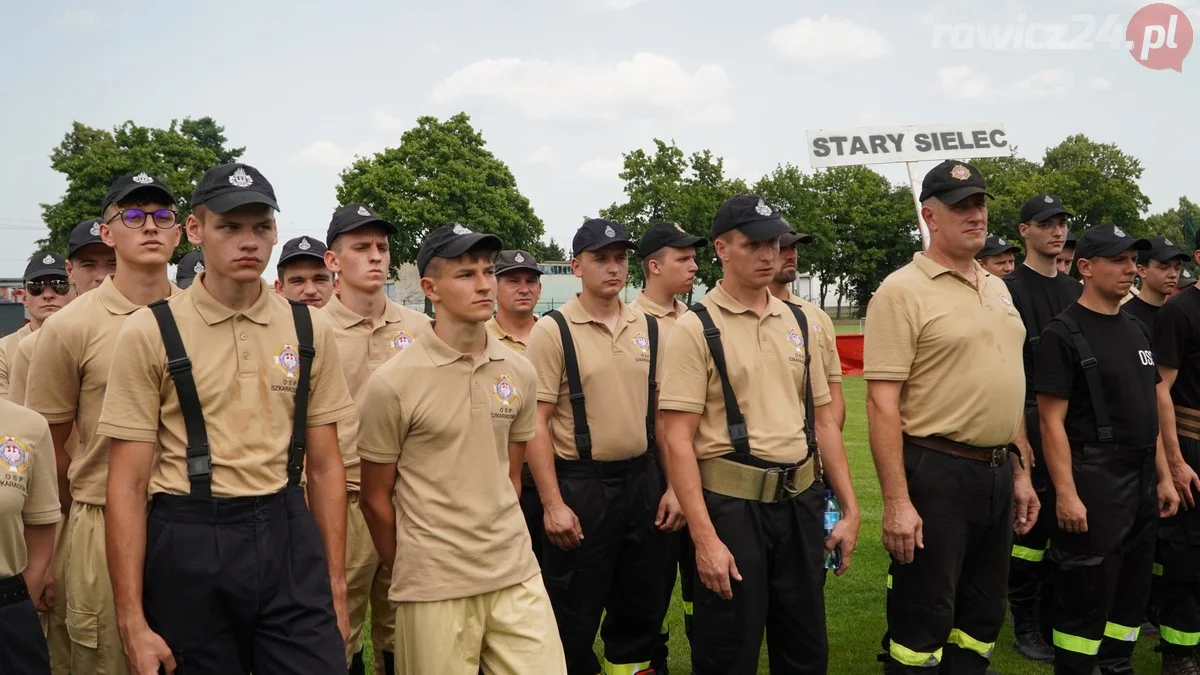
(670, 514)
(716, 567)
(562, 527)
(902, 533)
(146, 651)
(1026, 503)
(1187, 483)
(1072, 514)
(1168, 499)
(845, 538)
(45, 601)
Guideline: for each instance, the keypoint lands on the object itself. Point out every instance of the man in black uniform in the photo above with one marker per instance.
(1040, 291)
(1066, 257)
(1095, 378)
(1177, 353)
(1159, 268)
(998, 256)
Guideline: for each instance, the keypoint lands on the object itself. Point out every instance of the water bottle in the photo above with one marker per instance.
(833, 513)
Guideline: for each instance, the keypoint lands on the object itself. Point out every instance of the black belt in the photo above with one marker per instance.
(13, 590)
(580, 468)
(993, 456)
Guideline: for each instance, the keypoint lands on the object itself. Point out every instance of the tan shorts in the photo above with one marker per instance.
(91, 618)
(508, 632)
(361, 564)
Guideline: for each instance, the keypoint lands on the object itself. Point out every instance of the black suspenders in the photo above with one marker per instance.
(739, 437)
(199, 456)
(583, 435)
(1087, 361)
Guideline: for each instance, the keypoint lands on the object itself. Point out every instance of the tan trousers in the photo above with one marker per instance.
(507, 632)
(54, 624)
(91, 618)
(361, 564)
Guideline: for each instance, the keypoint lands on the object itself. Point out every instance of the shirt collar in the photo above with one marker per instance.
(443, 354)
(934, 270)
(345, 317)
(576, 313)
(213, 312)
(727, 302)
(116, 302)
(657, 310)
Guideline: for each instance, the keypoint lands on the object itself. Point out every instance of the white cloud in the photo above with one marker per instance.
(1098, 83)
(647, 85)
(1044, 83)
(619, 4)
(964, 83)
(543, 156)
(828, 38)
(80, 18)
(386, 122)
(602, 168)
(330, 155)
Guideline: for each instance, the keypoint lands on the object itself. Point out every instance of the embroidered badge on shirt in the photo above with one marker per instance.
(142, 178)
(503, 390)
(796, 339)
(288, 360)
(641, 342)
(241, 179)
(13, 454)
(401, 341)
(1006, 300)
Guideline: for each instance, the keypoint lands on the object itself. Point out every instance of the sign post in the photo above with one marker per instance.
(908, 145)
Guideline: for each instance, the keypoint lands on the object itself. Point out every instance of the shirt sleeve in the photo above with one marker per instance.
(685, 383)
(820, 381)
(832, 360)
(525, 426)
(1171, 329)
(53, 386)
(545, 352)
(328, 398)
(4, 367)
(384, 424)
(41, 504)
(890, 342)
(133, 397)
(1054, 362)
(18, 377)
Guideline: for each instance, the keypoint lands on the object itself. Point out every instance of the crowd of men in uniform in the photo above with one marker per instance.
(218, 476)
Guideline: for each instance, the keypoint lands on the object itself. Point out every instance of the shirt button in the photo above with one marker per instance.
(246, 356)
(240, 317)
(242, 336)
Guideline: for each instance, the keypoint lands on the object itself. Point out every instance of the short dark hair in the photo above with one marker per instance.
(657, 256)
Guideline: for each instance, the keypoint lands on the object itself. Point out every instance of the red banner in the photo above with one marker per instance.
(850, 348)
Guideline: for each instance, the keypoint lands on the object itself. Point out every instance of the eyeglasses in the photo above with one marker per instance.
(59, 286)
(136, 218)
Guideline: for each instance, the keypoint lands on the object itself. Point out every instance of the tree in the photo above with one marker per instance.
(671, 186)
(92, 158)
(1100, 183)
(549, 252)
(1178, 225)
(793, 192)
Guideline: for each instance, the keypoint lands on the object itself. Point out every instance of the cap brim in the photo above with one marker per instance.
(1117, 248)
(1043, 216)
(793, 238)
(460, 245)
(681, 240)
(300, 254)
(123, 194)
(228, 201)
(519, 266)
(1167, 256)
(987, 252)
(45, 272)
(84, 244)
(606, 243)
(762, 230)
(388, 227)
(952, 197)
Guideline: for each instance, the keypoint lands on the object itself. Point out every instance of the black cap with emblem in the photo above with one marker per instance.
(512, 260)
(951, 182)
(995, 245)
(662, 235)
(1040, 208)
(1185, 280)
(84, 234)
(190, 265)
(1106, 241)
(45, 264)
(752, 216)
(597, 233)
(124, 187)
(1162, 250)
(301, 247)
(226, 187)
(351, 217)
(451, 241)
(792, 237)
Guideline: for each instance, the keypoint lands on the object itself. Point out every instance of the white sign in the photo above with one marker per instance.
(922, 143)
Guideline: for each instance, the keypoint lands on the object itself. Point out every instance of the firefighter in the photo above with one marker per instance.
(998, 256)
(1159, 268)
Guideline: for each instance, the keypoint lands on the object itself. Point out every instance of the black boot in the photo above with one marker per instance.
(1028, 640)
(356, 664)
(389, 663)
(1177, 664)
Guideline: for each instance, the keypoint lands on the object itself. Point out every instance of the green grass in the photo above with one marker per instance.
(855, 602)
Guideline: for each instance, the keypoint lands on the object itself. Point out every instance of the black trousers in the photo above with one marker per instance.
(1178, 601)
(618, 569)
(240, 584)
(779, 549)
(946, 607)
(1102, 576)
(531, 507)
(24, 650)
(1030, 594)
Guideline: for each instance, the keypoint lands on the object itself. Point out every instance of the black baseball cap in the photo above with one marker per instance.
(1185, 280)
(1069, 242)
(995, 245)
(122, 187)
(952, 182)
(302, 247)
(45, 264)
(755, 218)
(351, 217)
(597, 233)
(226, 187)
(1104, 241)
(792, 237)
(661, 235)
(1162, 250)
(451, 241)
(190, 266)
(87, 232)
(1040, 208)
(515, 259)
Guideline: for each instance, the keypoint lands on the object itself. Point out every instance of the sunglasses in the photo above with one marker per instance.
(135, 218)
(59, 286)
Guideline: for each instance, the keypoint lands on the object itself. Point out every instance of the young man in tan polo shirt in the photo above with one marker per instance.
(301, 274)
(68, 376)
(29, 511)
(230, 573)
(594, 462)
(747, 482)
(47, 290)
(441, 424)
(370, 329)
(518, 289)
(945, 396)
(89, 260)
(668, 256)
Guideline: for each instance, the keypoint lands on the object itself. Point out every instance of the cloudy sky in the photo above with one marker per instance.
(560, 88)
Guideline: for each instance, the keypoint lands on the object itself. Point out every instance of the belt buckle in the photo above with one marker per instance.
(786, 485)
(999, 455)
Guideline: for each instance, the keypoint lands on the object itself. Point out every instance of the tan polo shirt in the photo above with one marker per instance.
(245, 366)
(614, 370)
(666, 316)
(764, 356)
(956, 348)
(69, 375)
(446, 419)
(364, 346)
(823, 336)
(511, 341)
(28, 483)
(7, 344)
(18, 371)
